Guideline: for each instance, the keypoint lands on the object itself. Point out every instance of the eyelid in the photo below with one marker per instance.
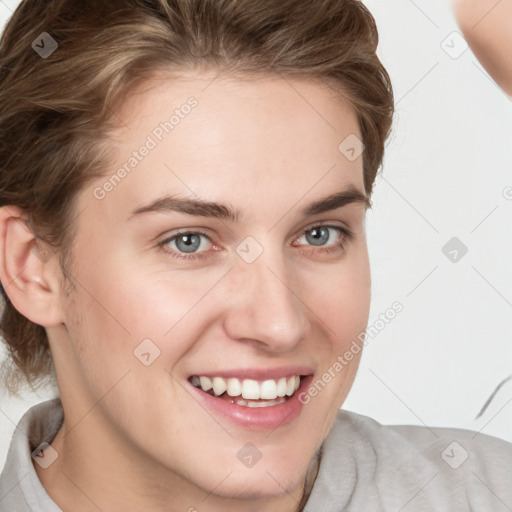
(328, 224)
(346, 234)
(199, 231)
(188, 231)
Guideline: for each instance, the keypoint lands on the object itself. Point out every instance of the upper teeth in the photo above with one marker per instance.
(249, 389)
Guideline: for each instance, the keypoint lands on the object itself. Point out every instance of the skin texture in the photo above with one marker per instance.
(133, 438)
(486, 25)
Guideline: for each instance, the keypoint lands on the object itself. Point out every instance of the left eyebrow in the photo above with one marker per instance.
(336, 200)
(202, 208)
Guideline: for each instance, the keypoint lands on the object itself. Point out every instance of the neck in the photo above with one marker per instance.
(310, 479)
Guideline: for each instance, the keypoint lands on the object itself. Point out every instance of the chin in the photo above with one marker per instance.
(261, 484)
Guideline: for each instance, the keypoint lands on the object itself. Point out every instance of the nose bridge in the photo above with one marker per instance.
(266, 306)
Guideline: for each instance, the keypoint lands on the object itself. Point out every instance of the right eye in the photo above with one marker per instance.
(186, 241)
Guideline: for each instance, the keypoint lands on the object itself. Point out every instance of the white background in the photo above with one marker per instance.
(447, 166)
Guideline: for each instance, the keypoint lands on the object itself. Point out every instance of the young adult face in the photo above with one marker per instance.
(262, 297)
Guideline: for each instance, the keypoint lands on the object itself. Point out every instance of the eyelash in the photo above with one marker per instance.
(346, 236)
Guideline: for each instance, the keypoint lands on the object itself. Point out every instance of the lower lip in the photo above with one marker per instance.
(256, 418)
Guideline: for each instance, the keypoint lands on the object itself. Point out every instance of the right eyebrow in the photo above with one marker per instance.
(189, 206)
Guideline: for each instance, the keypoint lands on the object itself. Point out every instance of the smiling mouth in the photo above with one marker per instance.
(248, 392)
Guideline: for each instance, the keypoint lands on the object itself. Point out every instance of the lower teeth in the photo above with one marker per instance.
(238, 400)
(246, 403)
(258, 403)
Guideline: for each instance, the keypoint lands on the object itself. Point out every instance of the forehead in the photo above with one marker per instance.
(215, 137)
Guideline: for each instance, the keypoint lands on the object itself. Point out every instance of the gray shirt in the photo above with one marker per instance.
(364, 467)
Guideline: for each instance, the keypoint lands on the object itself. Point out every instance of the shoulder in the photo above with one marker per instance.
(20, 487)
(428, 440)
(417, 467)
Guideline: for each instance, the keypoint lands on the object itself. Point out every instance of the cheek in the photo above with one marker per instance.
(129, 307)
(342, 298)
(125, 303)
(342, 302)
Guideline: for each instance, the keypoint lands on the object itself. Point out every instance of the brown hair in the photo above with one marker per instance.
(56, 107)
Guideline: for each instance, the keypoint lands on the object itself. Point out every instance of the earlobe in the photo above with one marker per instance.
(27, 272)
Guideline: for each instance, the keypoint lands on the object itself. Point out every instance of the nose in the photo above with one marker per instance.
(266, 307)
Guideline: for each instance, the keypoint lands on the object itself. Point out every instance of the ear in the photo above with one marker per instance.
(29, 269)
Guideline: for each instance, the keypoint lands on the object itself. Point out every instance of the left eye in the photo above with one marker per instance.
(187, 243)
(319, 235)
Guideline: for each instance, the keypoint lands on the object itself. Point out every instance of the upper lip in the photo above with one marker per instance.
(257, 373)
